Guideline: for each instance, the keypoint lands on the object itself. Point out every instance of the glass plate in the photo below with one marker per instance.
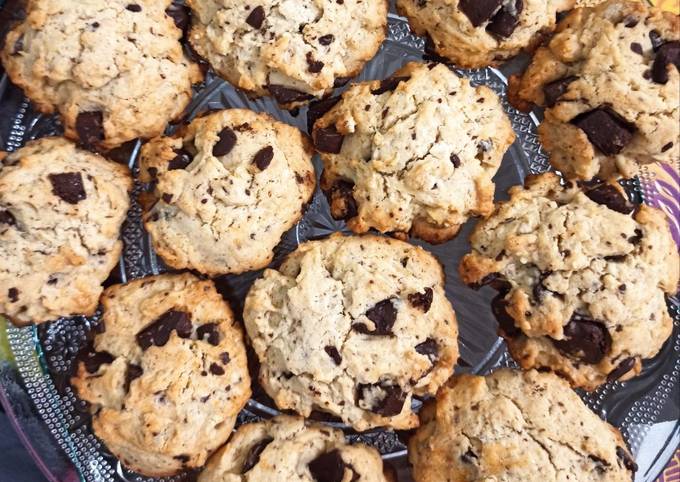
(53, 424)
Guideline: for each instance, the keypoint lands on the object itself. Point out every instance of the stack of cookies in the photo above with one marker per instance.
(357, 327)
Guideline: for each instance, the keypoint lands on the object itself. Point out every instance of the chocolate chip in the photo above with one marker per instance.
(496, 281)
(390, 405)
(326, 39)
(421, 300)
(256, 17)
(183, 458)
(68, 186)
(455, 160)
(133, 7)
(254, 454)
(181, 160)
(609, 196)
(668, 54)
(132, 372)
(264, 157)
(630, 21)
(7, 217)
(334, 354)
(383, 315)
(606, 129)
(617, 258)
(624, 367)
(313, 66)
(389, 84)
(286, 95)
(554, 90)
(655, 38)
(158, 333)
(504, 23)
(167, 198)
(215, 369)
(318, 108)
(13, 295)
(93, 360)
(341, 82)
(601, 465)
(636, 47)
(328, 140)
(663, 149)
(225, 144)
(343, 204)
(429, 348)
(328, 467)
(479, 11)
(180, 14)
(626, 459)
(506, 323)
(469, 457)
(90, 127)
(209, 332)
(636, 238)
(585, 338)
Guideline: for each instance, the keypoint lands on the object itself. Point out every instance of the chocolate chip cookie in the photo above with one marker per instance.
(474, 33)
(293, 449)
(581, 277)
(226, 188)
(61, 209)
(415, 153)
(113, 69)
(167, 375)
(294, 51)
(355, 327)
(515, 426)
(609, 81)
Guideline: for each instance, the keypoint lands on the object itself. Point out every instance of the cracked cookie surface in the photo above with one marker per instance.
(581, 277)
(226, 188)
(114, 70)
(290, 49)
(292, 449)
(515, 426)
(61, 210)
(609, 81)
(475, 33)
(415, 153)
(168, 374)
(355, 327)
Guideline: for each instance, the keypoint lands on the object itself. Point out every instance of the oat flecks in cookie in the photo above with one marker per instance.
(293, 449)
(167, 376)
(610, 82)
(515, 426)
(582, 278)
(479, 33)
(114, 70)
(353, 326)
(226, 188)
(294, 51)
(414, 153)
(61, 209)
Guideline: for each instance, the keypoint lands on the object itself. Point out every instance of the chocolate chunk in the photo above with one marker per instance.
(390, 405)
(286, 95)
(630, 21)
(421, 300)
(636, 238)
(181, 161)
(655, 38)
(313, 66)
(68, 186)
(225, 144)
(326, 39)
(254, 454)
(343, 204)
(264, 157)
(624, 367)
(215, 369)
(609, 196)
(133, 7)
(556, 89)
(167, 198)
(585, 338)
(469, 457)
(429, 348)
(180, 14)
(616, 258)
(341, 81)
(334, 354)
(455, 160)
(90, 127)
(318, 108)
(7, 217)
(389, 84)
(328, 140)
(496, 281)
(626, 459)
(209, 332)
(668, 54)
(383, 315)
(479, 11)
(504, 23)
(665, 148)
(13, 295)
(636, 47)
(506, 323)
(606, 129)
(93, 360)
(183, 458)
(256, 17)
(131, 373)
(601, 465)
(158, 333)
(328, 467)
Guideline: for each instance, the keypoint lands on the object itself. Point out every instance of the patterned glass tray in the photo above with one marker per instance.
(53, 424)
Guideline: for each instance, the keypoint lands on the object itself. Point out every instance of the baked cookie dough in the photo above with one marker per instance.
(355, 327)
(581, 277)
(61, 210)
(515, 426)
(610, 84)
(412, 154)
(226, 188)
(114, 70)
(167, 376)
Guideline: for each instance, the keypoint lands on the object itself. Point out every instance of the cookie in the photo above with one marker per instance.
(581, 277)
(114, 70)
(61, 210)
(355, 327)
(295, 50)
(293, 449)
(226, 188)
(609, 81)
(475, 33)
(415, 153)
(167, 374)
(515, 426)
